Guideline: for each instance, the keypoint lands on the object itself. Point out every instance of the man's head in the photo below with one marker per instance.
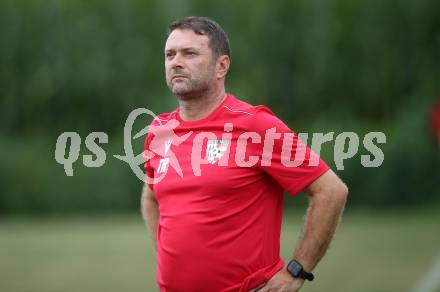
(197, 56)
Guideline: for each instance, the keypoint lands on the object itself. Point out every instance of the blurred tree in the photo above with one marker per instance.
(334, 65)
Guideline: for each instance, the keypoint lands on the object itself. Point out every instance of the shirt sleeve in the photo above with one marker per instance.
(148, 169)
(290, 161)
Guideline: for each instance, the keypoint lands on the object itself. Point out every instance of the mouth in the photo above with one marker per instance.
(178, 76)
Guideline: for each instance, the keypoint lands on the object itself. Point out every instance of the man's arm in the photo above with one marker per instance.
(150, 212)
(328, 195)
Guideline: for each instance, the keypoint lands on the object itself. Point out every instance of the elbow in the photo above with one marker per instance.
(334, 194)
(342, 192)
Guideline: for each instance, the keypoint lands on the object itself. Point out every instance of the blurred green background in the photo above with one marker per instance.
(320, 65)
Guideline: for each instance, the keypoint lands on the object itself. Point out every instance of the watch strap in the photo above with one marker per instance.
(297, 271)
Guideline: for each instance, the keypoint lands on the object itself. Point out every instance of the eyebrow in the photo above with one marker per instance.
(182, 49)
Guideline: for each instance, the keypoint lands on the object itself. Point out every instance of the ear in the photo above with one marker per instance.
(222, 65)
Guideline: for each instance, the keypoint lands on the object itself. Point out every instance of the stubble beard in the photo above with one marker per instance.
(188, 89)
(193, 87)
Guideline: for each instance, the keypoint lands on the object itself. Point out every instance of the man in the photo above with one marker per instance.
(213, 200)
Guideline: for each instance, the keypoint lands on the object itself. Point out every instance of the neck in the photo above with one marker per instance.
(200, 107)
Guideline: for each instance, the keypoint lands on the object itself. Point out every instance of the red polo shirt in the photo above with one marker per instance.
(220, 201)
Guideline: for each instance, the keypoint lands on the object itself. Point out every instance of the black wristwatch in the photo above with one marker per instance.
(297, 271)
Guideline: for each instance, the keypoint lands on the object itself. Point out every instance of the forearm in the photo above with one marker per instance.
(323, 216)
(150, 213)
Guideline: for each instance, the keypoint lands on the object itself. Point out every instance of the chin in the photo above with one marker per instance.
(180, 90)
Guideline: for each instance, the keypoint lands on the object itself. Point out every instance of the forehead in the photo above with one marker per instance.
(186, 38)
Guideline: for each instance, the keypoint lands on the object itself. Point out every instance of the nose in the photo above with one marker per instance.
(176, 62)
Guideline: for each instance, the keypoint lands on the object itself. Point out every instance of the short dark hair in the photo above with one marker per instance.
(218, 40)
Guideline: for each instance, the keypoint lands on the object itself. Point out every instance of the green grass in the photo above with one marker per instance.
(371, 252)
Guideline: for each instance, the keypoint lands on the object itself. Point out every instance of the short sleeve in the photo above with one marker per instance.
(287, 159)
(148, 169)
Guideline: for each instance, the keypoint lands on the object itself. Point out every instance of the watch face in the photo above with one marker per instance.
(297, 271)
(295, 268)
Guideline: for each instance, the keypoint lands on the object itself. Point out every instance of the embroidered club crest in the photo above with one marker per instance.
(215, 150)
